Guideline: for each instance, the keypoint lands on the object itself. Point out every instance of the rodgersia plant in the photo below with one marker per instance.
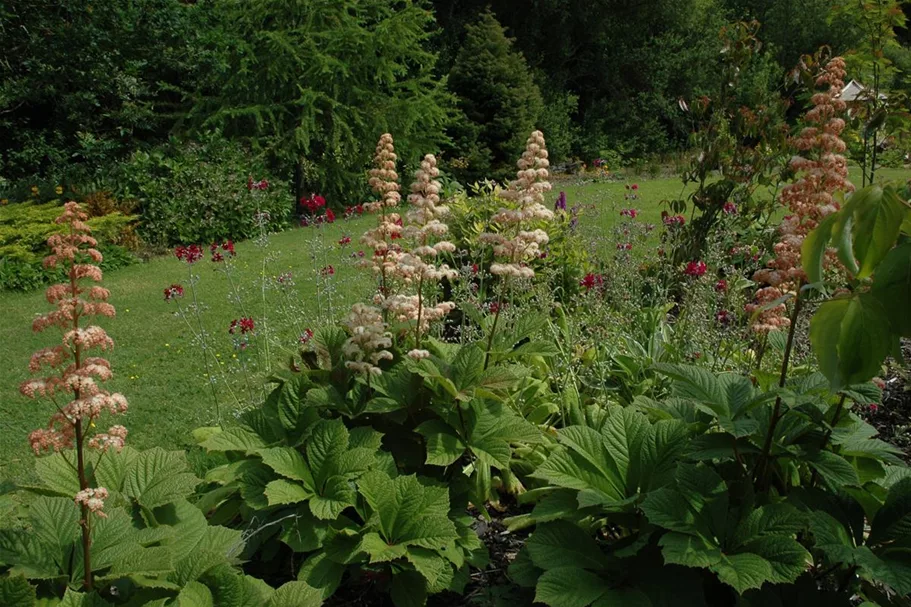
(417, 267)
(76, 372)
(519, 242)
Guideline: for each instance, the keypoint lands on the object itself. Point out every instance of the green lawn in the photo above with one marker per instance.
(161, 372)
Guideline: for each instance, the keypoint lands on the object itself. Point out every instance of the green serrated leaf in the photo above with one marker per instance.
(893, 519)
(892, 287)
(296, 594)
(337, 494)
(158, 477)
(195, 594)
(320, 572)
(833, 468)
(570, 587)
(877, 224)
(562, 544)
(443, 444)
(16, 591)
(282, 492)
(289, 463)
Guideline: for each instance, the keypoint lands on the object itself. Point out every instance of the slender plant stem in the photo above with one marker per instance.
(493, 330)
(205, 344)
(762, 464)
(828, 435)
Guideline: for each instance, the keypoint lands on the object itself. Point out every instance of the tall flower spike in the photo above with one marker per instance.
(384, 183)
(823, 171)
(74, 372)
(416, 267)
(518, 244)
(368, 340)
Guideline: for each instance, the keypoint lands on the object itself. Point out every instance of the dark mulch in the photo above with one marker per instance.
(893, 417)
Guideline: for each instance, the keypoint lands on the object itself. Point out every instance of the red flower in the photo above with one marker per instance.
(873, 407)
(190, 254)
(676, 220)
(172, 292)
(245, 325)
(474, 268)
(330, 216)
(729, 208)
(723, 318)
(635, 186)
(590, 281)
(306, 336)
(695, 268)
(721, 286)
(344, 241)
(327, 271)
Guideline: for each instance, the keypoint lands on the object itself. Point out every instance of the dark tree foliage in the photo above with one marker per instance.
(627, 61)
(84, 81)
(314, 83)
(499, 101)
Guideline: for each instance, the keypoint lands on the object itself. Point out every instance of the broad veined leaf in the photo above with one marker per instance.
(436, 570)
(295, 594)
(28, 556)
(689, 550)
(58, 474)
(195, 594)
(876, 226)
(55, 521)
(813, 249)
(836, 470)
(322, 573)
(405, 512)
(893, 520)
(289, 463)
(336, 495)
(892, 287)
(409, 589)
(304, 533)
(850, 337)
(442, 442)
(158, 477)
(698, 384)
(283, 492)
(744, 571)
(328, 441)
(229, 589)
(570, 587)
(890, 568)
(562, 544)
(15, 590)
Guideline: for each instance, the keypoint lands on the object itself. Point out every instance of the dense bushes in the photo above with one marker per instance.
(200, 192)
(25, 228)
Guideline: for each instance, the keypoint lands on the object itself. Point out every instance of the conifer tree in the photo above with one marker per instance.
(312, 83)
(497, 96)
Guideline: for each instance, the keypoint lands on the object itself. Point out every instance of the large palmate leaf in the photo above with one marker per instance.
(156, 477)
(406, 513)
(728, 397)
(610, 467)
(744, 553)
(486, 430)
(892, 287)
(322, 475)
(15, 590)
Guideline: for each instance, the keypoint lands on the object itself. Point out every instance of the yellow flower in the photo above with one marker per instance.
(59, 190)
(34, 190)
(4, 202)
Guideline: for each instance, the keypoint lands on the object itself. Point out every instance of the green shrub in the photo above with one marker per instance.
(189, 192)
(24, 230)
(496, 95)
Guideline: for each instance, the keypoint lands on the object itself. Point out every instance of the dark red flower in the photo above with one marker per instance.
(327, 271)
(674, 221)
(721, 286)
(189, 254)
(695, 268)
(723, 318)
(474, 268)
(330, 216)
(345, 240)
(245, 325)
(173, 292)
(591, 280)
(306, 336)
